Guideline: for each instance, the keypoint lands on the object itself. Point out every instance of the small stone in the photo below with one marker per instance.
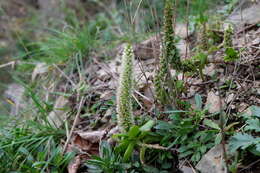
(251, 14)
(213, 103)
(212, 161)
(186, 169)
(14, 94)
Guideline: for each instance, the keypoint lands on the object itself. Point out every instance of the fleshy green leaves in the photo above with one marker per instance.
(243, 141)
(231, 55)
(246, 141)
(253, 124)
(198, 101)
(132, 138)
(211, 124)
(147, 126)
(255, 111)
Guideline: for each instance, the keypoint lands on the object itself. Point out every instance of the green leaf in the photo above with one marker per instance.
(133, 132)
(175, 111)
(166, 165)
(38, 164)
(203, 149)
(150, 169)
(241, 141)
(255, 111)
(253, 124)
(202, 57)
(163, 125)
(230, 126)
(218, 139)
(211, 124)
(147, 126)
(196, 157)
(185, 154)
(183, 149)
(128, 152)
(142, 154)
(198, 101)
(258, 147)
(255, 150)
(231, 54)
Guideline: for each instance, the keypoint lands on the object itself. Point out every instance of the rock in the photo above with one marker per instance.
(150, 48)
(181, 30)
(214, 103)
(14, 94)
(186, 169)
(59, 113)
(250, 14)
(182, 46)
(212, 161)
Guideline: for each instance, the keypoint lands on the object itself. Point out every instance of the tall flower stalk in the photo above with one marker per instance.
(125, 89)
(171, 52)
(227, 43)
(169, 57)
(160, 79)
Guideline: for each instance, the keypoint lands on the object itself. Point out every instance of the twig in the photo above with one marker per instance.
(246, 28)
(137, 101)
(12, 63)
(146, 78)
(74, 124)
(146, 98)
(63, 74)
(202, 83)
(193, 170)
(157, 146)
(250, 165)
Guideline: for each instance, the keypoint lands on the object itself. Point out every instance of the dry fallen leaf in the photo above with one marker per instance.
(93, 136)
(74, 165)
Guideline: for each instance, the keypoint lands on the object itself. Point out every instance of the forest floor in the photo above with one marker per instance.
(70, 77)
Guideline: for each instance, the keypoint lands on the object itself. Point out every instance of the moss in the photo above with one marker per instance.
(124, 95)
